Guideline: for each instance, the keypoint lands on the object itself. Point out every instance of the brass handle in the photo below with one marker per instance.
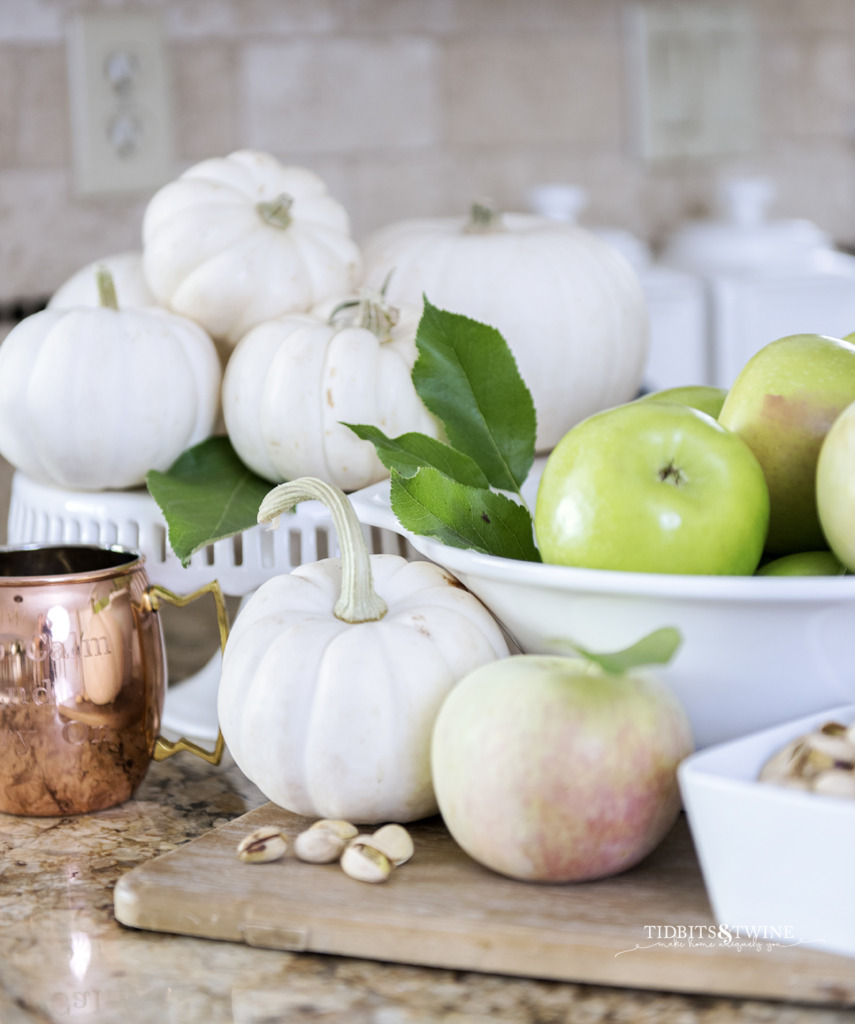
(156, 595)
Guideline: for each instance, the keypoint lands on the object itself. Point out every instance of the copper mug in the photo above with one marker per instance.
(82, 677)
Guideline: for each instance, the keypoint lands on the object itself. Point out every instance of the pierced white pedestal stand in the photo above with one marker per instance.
(132, 519)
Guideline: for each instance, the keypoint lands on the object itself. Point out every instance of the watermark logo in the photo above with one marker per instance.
(727, 936)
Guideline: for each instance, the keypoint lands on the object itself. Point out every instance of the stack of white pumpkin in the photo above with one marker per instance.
(250, 289)
(237, 249)
(248, 257)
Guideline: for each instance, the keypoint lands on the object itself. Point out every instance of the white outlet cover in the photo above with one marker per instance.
(692, 79)
(120, 101)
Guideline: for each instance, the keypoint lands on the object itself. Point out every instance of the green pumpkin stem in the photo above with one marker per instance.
(276, 212)
(358, 601)
(106, 288)
(372, 312)
(484, 218)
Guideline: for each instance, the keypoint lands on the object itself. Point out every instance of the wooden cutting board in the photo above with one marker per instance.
(441, 909)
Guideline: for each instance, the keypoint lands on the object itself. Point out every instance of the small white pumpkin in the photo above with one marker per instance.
(93, 398)
(292, 383)
(238, 240)
(568, 304)
(333, 674)
(126, 269)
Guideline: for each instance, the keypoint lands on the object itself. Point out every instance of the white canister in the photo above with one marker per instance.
(763, 278)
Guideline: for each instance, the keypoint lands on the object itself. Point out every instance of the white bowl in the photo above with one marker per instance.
(777, 862)
(757, 651)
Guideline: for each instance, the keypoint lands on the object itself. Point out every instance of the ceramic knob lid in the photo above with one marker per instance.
(743, 240)
(565, 202)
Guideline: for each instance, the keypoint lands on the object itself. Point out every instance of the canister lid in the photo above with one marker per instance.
(565, 202)
(742, 240)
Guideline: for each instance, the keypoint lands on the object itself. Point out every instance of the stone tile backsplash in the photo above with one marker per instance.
(415, 107)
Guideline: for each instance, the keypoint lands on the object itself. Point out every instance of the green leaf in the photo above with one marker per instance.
(207, 494)
(407, 453)
(657, 648)
(467, 376)
(433, 505)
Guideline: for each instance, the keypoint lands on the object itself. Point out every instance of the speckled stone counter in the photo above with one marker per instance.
(64, 957)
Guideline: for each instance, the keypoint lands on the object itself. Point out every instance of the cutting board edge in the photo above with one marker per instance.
(134, 910)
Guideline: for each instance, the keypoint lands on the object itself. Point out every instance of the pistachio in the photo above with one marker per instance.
(319, 845)
(830, 746)
(833, 729)
(785, 763)
(815, 760)
(364, 863)
(822, 761)
(393, 840)
(264, 844)
(338, 826)
(835, 783)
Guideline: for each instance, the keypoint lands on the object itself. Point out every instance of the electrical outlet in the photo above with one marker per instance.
(693, 79)
(119, 91)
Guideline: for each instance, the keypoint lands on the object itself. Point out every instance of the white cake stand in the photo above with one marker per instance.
(132, 519)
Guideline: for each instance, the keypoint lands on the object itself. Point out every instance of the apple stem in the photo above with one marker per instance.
(671, 474)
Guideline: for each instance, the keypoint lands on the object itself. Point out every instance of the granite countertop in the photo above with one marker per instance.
(63, 955)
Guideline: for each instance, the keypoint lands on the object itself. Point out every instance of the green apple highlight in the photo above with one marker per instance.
(653, 487)
(835, 487)
(704, 397)
(782, 405)
(804, 563)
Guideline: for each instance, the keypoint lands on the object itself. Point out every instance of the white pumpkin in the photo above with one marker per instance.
(568, 304)
(238, 240)
(333, 674)
(126, 269)
(93, 398)
(292, 383)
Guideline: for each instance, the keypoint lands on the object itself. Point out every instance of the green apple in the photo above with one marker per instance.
(705, 397)
(652, 487)
(835, 487)
(804, 563)
(782, 405)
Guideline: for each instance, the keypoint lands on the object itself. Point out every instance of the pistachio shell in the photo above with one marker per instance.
(835, 783)
(364, 863)
(341, 828)
(319, 845)
(822, 761)
(263, 845)
(831, 747)
(395, 841)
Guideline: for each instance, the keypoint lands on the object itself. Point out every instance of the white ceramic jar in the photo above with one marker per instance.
(763, 278)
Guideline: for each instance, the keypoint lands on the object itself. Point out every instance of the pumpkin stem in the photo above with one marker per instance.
(372, 312)
(276, 212)
(358, 601)
(484, 217)
(106, 288)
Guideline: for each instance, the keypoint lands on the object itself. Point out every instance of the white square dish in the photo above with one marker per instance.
(777, 862)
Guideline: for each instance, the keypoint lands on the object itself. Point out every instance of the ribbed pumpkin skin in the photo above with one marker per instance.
(569, 305)
(92, 399)
(209, 254)
(334, 719)
(291, 384)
